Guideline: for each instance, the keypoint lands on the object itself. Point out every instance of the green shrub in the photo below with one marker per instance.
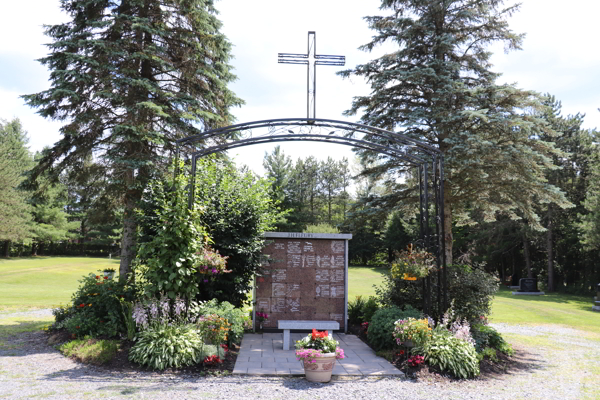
(471, 288)
(163, 346)
(95, 309)
(369, 309)
(451, 354)
(237, 209)
(487, 337)
(234, 316)
(381, 327)
(360, 311)
(355, 311)
(61, 313)
(488, 353)
(172, 240)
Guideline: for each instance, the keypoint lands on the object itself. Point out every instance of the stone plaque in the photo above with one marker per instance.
(528, 285)
(305, 278)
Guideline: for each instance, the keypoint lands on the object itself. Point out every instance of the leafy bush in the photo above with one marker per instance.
(448, 353)
(471, 288)
(167, 346)
(234, 316)
(381, 328)
(487, 337)
(95, 309)
(355, 310)
(415, 330)
(237, 209)
(172, 240)
(360, 311)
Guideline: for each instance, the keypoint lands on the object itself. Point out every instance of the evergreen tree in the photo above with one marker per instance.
(438, 87)
(15, 160)
(128, 78)
(51, 222)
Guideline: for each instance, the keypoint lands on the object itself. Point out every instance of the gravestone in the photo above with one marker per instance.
(305, 278)
(528, 286)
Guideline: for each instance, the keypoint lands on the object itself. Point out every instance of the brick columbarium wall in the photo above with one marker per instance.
(306, 278)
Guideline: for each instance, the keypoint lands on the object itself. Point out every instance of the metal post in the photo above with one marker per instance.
(442, 218)
(192, 182)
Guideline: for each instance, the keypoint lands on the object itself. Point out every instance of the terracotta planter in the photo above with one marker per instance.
(320, 370)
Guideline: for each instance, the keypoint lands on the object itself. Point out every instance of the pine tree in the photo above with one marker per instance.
(438, 87)
(15, 160)
(128, 78)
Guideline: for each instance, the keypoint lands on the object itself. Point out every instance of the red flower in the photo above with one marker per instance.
(317, 334)
(225, 347)
(106, 277)
(97, 276)
(77, 327)
(82, 305)
(400, 353)
(209, 360)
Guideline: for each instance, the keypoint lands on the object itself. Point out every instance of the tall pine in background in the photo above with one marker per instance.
(128, 78)
(15, 212)
(438, 87)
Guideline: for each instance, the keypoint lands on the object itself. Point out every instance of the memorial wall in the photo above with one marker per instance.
(305, 277)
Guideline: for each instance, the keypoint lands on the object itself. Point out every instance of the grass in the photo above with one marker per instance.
(44, 282)
(550, 309)
(361, 280)
(91, 351)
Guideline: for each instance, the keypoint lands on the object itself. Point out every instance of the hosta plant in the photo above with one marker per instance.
(449, 353)
(163, 346)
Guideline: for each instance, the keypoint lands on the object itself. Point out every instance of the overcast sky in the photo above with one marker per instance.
(560, 56)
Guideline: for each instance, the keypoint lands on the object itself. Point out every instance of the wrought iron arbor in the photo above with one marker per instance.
(427, 159)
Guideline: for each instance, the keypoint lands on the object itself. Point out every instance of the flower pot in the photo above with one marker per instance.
(109, 274)
(320, 369)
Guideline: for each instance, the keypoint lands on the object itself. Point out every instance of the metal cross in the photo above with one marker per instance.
(311, 70)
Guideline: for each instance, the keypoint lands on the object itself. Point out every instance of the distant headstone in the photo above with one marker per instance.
(528, 285)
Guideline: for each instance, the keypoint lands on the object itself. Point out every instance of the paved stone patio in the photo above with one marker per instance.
(263, 354)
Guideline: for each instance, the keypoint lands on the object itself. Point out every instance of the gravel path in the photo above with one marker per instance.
(29, 368)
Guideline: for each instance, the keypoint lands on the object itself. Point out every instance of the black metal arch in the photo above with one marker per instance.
(410, 151)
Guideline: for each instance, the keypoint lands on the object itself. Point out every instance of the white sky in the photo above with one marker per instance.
(560, 56)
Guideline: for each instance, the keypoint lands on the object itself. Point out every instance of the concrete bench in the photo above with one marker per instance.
(288, 325)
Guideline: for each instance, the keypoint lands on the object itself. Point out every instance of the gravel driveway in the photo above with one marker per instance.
(558, 369)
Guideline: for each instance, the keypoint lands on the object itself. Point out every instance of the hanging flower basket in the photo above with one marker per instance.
(210, 262)
(411, 264)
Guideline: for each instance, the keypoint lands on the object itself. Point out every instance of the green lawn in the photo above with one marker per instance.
(43, 282)
(362, 279)
(557, 309)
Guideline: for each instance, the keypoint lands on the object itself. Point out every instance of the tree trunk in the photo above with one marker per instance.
(448, 224)
(549, 250)
(128, 243)
(527, 256)
(7, 248)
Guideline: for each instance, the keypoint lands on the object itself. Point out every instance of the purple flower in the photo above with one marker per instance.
(206, 280)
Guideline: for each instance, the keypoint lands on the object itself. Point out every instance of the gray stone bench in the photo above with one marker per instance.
(288, 325)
